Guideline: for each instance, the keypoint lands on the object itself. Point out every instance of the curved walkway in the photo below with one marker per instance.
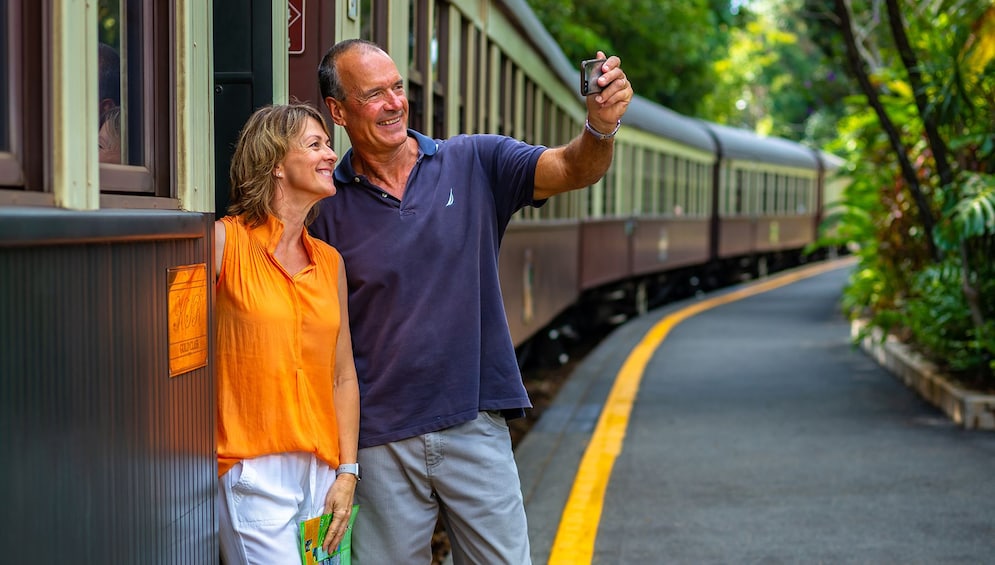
(745, 428)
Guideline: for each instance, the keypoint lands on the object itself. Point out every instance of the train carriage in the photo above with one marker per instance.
(117, 121)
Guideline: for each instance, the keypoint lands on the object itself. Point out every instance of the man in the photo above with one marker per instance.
(419, 222)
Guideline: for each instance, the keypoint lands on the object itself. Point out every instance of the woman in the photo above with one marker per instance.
(288, 399)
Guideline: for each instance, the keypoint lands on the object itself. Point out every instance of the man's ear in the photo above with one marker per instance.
(106, 105)
(335, 110)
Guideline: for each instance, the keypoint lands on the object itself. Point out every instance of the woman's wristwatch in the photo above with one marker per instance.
(348, 468)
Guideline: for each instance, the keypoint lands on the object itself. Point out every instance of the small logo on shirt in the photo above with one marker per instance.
(451, 199)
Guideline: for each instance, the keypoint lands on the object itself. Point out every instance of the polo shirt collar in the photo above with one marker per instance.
(344, 172)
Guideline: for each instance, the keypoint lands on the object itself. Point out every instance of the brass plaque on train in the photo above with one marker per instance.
(187, 318)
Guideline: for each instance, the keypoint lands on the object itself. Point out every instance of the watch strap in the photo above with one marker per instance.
(348, 469)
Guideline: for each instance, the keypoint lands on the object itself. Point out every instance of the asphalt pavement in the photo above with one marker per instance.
(760, 434)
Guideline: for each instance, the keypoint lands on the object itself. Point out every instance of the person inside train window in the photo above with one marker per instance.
(109, 136)
(109, 92)
(109, 79)
(419, 222)
(288, 399)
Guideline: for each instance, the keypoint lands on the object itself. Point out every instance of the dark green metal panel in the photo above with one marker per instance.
(243, 78)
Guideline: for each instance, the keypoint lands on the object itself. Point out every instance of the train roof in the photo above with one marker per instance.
(829, 161)
(745, 145)
(655, 118)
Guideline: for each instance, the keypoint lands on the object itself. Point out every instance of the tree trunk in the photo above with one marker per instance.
(842, 11)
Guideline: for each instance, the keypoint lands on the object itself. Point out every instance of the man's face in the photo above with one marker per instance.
(375, 111)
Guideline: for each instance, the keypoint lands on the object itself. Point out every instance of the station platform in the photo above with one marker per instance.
(744, 427)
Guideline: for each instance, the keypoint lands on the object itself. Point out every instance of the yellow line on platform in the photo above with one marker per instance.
(574, 543)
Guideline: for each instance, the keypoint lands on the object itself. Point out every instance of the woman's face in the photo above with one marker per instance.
(307, 168)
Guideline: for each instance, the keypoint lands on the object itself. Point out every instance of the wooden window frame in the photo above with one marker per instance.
(22, 178)
(154, 176)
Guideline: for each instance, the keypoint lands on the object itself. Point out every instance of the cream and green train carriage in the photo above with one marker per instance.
(117, 119)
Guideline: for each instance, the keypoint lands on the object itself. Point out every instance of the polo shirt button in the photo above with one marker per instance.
(383, 195)
(355, 179)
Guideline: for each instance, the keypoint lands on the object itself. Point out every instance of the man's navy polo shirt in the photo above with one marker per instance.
(429, 331)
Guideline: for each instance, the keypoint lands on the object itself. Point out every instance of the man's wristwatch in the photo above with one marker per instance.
(348, 468)
(601, 136)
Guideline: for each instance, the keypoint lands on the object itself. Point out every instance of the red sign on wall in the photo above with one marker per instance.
(295, 26)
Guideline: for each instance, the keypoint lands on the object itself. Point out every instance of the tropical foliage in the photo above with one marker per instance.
(667, 46)
(920, 143)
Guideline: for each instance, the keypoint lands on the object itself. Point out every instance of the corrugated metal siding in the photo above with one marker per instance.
(104, 458)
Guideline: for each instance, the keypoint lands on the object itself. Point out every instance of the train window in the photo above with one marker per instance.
(694, 191)
(680, 186)
(417, 65)
(692, 188)
(798, 205)
(631, 180)
(465, 86)
(666, 201)
(5, 109)
(21, 102)
(506, 117)
(373, 18)
(119, 56)
(366, 20)
(439, 60)
(802, 204)
(791, 195)
(528, 133)
(756, 192)
(706, 188)
(650, 200)
(468, 35)
(611, 187)
(731, 179)
(765, 190)
(738, 198)
(482, 91)
(697, 190)
(700, 190)
(791, 204)
(779, 193)
(548, 122)
(134, 42)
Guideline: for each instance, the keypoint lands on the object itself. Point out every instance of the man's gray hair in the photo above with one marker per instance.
(328, 72)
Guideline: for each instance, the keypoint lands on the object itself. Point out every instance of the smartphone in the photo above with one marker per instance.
(590, 70)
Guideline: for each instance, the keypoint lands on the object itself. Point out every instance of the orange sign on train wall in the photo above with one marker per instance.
(295, 26)
(187, 318)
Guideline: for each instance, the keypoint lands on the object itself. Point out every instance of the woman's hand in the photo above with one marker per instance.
(338, 503)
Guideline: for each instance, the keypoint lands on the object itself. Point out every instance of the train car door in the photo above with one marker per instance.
(311, 31)
(243, 78)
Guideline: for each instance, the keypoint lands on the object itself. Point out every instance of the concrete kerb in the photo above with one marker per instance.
(972, 410)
